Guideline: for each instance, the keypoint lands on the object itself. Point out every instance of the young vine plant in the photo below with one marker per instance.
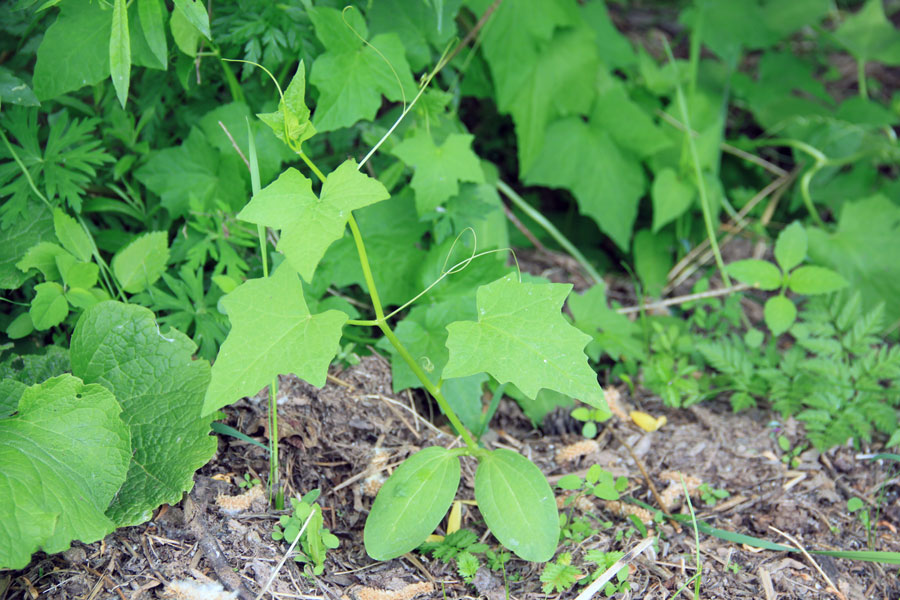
(520, 336)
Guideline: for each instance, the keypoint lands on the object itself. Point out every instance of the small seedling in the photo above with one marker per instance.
(604, 560)
(590, 417)
(791, 456)
(246, 483)
(316, 540)
(559, 576)
(461, 546)
(855, 505)
(597, 481)
(711, 495)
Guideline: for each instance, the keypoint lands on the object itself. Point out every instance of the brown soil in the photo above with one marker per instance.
(329, 438)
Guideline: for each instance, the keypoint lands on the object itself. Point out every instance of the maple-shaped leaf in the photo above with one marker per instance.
(352, 74)
(439, 169)
(522, 337)
(272, 333)
(309, 225)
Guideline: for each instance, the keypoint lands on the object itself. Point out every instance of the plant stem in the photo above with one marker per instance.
(541, 220)
(861, 78)
(381, 323)
(698, 173)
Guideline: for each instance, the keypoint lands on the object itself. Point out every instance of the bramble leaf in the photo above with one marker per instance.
(309, 225)
(517, 504)
(160, 386)
(64, 455)
(438, 169)
(411, 503)
(521, 336)
(272, 333)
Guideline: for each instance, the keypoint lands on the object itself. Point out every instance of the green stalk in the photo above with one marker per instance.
(274, 478)
(698, 173)
(381, 322)
(541, 220)
(861, 78)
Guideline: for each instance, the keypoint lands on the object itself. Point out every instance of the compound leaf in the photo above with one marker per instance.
(309, 225)
(411, 503)
(438, 169)
(758, 273)
(522, 337)
(779, 313)
(815, 280)
(272, 333)
(517, 504)
(64, 455)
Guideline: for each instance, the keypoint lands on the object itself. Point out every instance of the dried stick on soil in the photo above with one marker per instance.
(640, 465)
(608, 574)
(738, 287)
(832, 588)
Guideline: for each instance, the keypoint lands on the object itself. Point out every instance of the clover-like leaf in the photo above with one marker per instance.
(517, 504)
(758, 273)
(309, 225)
(779, 313)
(64, 455)
(790, 247)
(522, 337)
(811, 280)
(272, 333)
(411, 503)
(160, 386)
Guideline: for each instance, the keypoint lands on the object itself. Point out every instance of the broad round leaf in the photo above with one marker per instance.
(758, 273)
(815, 280)
(780, 314)
(411, 503)
(517, 504)
(790, 247)
(64, 455)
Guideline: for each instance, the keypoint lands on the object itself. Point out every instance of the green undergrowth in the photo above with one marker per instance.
(192, 205)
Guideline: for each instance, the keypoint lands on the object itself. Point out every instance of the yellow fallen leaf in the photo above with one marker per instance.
(455, 518)
(434, 537)
(647, 422)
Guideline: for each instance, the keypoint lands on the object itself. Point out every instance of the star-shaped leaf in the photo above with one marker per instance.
(291, 120)
(309, 225)
(272, 333)
(869, 35)
(439, 169)
(520, 336)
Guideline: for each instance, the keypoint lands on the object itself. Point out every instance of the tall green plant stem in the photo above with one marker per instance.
(381, 322)
(541, 220)
(698, 173)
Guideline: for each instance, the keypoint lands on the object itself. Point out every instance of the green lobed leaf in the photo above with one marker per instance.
(779, 313)
(72, 236)
(438, 169)
(815, 280)
(522, 337)
(120, 51)
(607, 182)
(139, 264)
(671, 197)
(309, 225)
(758, 273)
(64, 455)
(291, 120)
(18, 238)
(869, 35)
(517, 504)
(411, 503)
(43, 257)
(272, 333)
(74, 51)
(160, 386)
(150, 14)
(352, 76)
(790, 247)
(49, 306)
